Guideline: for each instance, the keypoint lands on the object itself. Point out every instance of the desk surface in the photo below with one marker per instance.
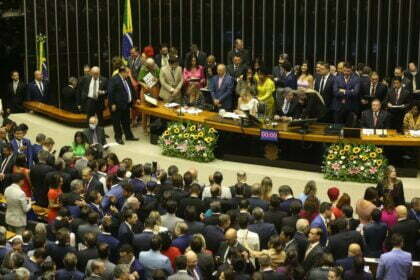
(317, 130)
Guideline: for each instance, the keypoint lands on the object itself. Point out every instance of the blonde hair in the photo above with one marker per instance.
(266, 187)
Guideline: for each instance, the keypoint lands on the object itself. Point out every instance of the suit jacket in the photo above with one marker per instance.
(85, 228)
(84, 256)
(257, 202)
(285, 205)
(125, 234)
(280, 100)
(28, 152)
(264, 231)
(312, 258)
(366, 120)
(279, 76)
(17, 206)
(274, 275)
(102, 85)
(275, 217)
(141, 241)
(225, 246)
(100, 135)
(113, 244)
(395, 264)
(191, 201)
(180, 275)
(65, 274)
(346, 263)
(195, 227)
(302, 243)
(339, 243)
(39, 188)
(214, 236)
(118, 95)
(409, 229)
(69, 99)
(34, 93)
(152, 260)
(349, 99)
(236, 74)
(57, 253)
(13, 99)
(224, 93)
(319, 223)
(201, 58)
(290, 80)
(206, 264)
(375, 235)
(134, 65)
(404, 99)
(182, 242)
(243, 53)
(168, 81)
(380, 92)
(328, 89)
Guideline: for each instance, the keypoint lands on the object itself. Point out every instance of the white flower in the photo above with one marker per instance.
(335, 153)
(205, 155)
(328, 162)
(343, 167)
(343, 157)
(354, 161)
(362, 168)
(340, 162)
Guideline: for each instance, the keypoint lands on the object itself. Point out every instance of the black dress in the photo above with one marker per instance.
(397, 193)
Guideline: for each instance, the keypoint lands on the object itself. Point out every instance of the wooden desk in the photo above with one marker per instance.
(317, 130)
(58, 114)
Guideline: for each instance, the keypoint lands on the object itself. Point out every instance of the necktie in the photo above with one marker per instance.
(4, 164)
(127, 89)
(397, 97)
(373, 91)
(321, 88)
(235, 68)
(95, 88)
(375, 119)
(286, 107)
(41, 88)
(308, 251)
(94, 137)
(15, 85)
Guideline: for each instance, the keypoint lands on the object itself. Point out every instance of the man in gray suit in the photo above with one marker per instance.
(171, 81)
(134, 61)
(181, 268)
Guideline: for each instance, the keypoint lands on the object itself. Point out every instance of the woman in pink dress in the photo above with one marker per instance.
(194, 73)
(388, 213)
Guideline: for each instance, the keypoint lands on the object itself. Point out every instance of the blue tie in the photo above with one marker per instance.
(127, 89)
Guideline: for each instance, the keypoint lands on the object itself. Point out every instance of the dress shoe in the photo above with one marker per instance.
(132, 139)
(120, 141)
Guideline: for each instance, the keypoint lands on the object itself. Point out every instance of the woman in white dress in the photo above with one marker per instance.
(306, 80)
(247, 103)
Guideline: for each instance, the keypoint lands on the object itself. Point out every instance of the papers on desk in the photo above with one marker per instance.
(150, 100)
(191, 110)
(414, 133)
(171, 105)
(368, 131)
(229, 115)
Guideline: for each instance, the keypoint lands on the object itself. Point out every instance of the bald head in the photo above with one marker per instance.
(221, 70)
(95, 72)
(133, 203)
(192, 259)
(401, 212)
(93, 120)
(231, 236)
(354, 250)
(38, 75)
(302, 225)
(150, 62)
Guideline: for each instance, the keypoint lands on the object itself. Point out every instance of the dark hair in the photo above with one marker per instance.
(347, 210)
(156, 243)
(295, 207)
(196, 244)
(218, 177)
(397, 240)
(172, 170)
(347, 65)
(189, 61)
(288, 231)
(171, 206)
(243, 220)
(82, 136)
(190, 213)
(137, 171)
(399, 79)
(159, 274)
(63, 150)
(93, 217)
(287, 66)
(188, 178)
(371, 194)
(376, 215)
(311, 204)
(181, 262)
(324, 207)
(274, 201)
(103, 250)
(17, 177)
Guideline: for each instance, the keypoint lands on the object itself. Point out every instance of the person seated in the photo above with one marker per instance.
(265, 89)
(411, 119)
(69, 96)
(194, 98)
(171, 81)
(309, 106)
(194, 73)
(247, 104)
(236, 69)
(221, 88)
(285, 104)
(397, 100)
(375, 117)
(247, 82)
(38, 89)
(80, 144)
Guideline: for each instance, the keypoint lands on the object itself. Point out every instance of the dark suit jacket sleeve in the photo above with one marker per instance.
(111, 92)
(228, 90)
(364, 123)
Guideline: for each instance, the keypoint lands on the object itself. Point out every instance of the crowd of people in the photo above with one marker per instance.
(344, 94)
(116, 219)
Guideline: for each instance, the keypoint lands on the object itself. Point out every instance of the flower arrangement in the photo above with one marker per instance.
(364, 163)
(189, 140)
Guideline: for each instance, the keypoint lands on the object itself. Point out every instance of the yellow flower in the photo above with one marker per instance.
(192, 128)
(195, 137)
(166, 133)
(212, 130)
(356, 150)
(372, 155)
(209, 139)
(176, 130)
(200, 134)
(335, 148)
(364, 158)
(330, 157)
(186, 135)
(342, 152)
(378, 150)
(352, 158)
(347, 148)
(379, 162)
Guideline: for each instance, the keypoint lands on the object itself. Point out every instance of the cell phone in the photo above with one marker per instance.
(154, 164)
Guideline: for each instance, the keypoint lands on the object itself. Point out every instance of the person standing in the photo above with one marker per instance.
(397, 101)
(120, 98)
(94, 93)
(171, 81)
(238, 49)
(38, 89)
(12, 102)
(221, 88)
(134, 61)
(69, 96)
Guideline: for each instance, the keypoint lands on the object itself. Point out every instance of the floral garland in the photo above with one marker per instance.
(189, 140)
(364, 163)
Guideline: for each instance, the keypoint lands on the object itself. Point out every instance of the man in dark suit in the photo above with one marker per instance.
(38, 89)
(95, 134)
(238, 49)
(286, 195)
(321, 221)
(215, 234)
(267, 270)
(69, 96)
(201, 56)
(285, 103)
(120, 98)
(105, 237)
(15, 95)
(134, 62)
(375, 117)
(192, 200)
(81, 84)
(414, 76)
(191, 219)
(141, 241)
(347, 262)
(373, 90)
(91, 252)
(274, 215)
(324, 84)
(375, 234)
(340, 242)
(162, 58)
(279, 74)
(6, 166)
(236, 69)
(255, 199)
(90, 182)
(58, 250)
(345, 103)
(405, 81)
(290, 79)
(221, 88)
(125, 231)
(38, 174)
(70, 270)
(263, 229)
(397, 102)
(287, 236)
(409, 229)
(93, 94)
(230, 243)
(22, 145)
(314, 250)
